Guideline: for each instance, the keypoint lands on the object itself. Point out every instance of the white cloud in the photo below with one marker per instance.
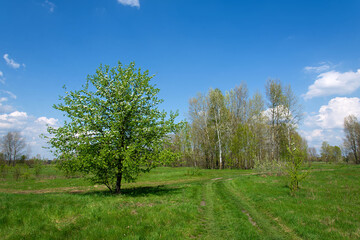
(11, 62)
(132, 3)
(49, 5)
(327, 123)
(15, 120)
(333, 82)
(332, 115)
(18, 114)
(47, 121)
(322, 68)
(29, 127)
(312, 135)
(4, 108)
(13, 96)
(2, 79)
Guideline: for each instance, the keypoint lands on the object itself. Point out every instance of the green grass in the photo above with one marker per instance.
(172, 203)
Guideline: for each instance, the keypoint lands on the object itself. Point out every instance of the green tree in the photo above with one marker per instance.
(115, 129)
(243, 147)
(330, 153)
(218, 115)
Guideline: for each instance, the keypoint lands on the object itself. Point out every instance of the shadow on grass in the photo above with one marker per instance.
(160, 190)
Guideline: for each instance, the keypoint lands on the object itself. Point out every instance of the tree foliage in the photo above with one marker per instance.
(115, 130)
(330, 153)
(235, 130)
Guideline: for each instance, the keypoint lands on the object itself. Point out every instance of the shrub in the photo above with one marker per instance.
(4, 170)
(294, 163)
(17, 172)
(270, 167)
(38, 168)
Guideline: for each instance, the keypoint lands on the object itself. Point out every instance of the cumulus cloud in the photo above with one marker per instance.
(49, 5)
(327, 123)
(47, 121)
(312, 135)
(332, 82)
(13, 121)
(332, 115)
(29, 127)
(132, 3)
(318, 69)
(11, 62)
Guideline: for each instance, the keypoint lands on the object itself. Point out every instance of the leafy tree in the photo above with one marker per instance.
(115, 129)
(294, 164)
(330, 153)
(219, 119)
(243, 147)
(284, 114)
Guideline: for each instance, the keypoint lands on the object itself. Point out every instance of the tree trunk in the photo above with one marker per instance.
(118, 183)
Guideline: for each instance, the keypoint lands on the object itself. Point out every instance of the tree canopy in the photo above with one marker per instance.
(115, 129)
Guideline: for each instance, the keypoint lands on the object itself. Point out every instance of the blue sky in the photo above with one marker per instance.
(190, 46)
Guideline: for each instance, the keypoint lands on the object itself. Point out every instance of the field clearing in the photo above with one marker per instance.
(180, 203)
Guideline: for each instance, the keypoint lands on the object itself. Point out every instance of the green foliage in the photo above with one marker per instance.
(4, 170)
(26, 175)
(194, 171)
(269, 167)
(38, 168)
(115, 129)
(294, 164)
(243, 148)
(330, 153)
(17, 172)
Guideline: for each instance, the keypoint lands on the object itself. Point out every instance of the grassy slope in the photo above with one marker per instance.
(169, 204)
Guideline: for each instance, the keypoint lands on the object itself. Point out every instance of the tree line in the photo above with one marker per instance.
(235, 130)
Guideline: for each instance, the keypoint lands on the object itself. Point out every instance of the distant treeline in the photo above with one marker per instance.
(235, 130)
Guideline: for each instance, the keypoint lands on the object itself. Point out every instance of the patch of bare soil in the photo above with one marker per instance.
(216, 178)
(251, 220)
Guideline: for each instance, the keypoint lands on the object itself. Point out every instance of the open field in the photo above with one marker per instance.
(174, 203)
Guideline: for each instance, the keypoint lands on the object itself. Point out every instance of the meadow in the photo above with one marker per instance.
(184, 203)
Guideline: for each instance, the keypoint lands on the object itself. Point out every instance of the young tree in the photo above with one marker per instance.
(352, 136)
(13, 145)
(219, 117)
(200, 130)
(116, 130)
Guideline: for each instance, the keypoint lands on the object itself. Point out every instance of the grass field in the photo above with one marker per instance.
(173, 203)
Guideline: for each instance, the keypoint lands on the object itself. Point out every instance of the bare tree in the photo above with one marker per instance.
(352, 136)
(13, 146)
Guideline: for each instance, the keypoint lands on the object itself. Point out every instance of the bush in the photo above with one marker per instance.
(38, 168)
(4, 170)
(17, 172)
(270, 167)
(195, 171)
(295, 162)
